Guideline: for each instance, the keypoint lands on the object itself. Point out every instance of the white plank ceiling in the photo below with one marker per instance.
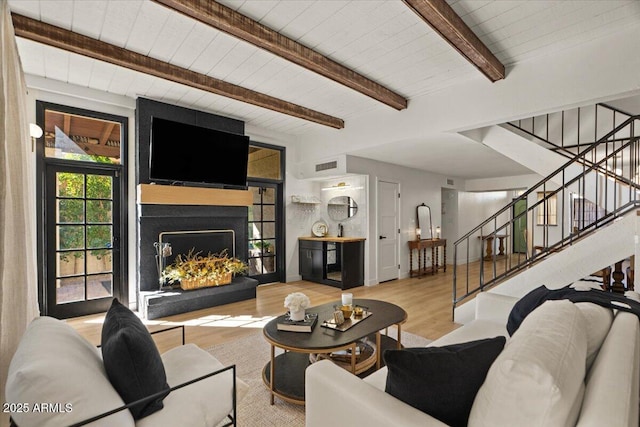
(383, 40)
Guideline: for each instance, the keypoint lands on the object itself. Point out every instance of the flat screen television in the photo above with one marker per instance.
(188, 154)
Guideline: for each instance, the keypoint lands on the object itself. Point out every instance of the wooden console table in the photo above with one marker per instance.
(421, 246)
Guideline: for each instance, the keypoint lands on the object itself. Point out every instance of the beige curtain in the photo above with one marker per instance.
(18, 287)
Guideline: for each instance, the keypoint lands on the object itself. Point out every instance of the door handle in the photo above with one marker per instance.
(383, 237)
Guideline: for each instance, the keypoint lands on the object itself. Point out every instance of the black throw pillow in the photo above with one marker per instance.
(132, 360)
(441, 381)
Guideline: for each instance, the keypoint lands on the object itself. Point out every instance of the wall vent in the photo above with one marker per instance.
(449, 181)
(325, 166)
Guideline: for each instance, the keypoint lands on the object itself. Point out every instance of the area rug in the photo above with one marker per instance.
(250, 354)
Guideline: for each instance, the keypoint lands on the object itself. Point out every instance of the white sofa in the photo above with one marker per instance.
(590, 378)
(57, 378)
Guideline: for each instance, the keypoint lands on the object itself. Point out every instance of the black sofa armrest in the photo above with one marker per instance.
(232, 416)
(159, 331)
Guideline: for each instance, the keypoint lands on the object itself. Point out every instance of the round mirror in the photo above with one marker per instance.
(341, 208)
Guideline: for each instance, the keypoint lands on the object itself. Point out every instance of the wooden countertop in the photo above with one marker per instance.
(333, 239)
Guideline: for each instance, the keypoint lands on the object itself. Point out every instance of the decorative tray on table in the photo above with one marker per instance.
(348, 323)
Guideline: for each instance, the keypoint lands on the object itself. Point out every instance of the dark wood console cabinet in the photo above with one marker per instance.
(334, 261)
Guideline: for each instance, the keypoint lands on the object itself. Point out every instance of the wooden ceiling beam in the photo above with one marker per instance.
(443, 19)
(66, 126)
(77, 43)
(106, 132)
(234, 23)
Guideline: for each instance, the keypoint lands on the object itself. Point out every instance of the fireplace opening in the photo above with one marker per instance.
(171, 244)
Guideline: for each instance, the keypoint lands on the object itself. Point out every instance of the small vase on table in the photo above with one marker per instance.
(297, 315)
(297, 302)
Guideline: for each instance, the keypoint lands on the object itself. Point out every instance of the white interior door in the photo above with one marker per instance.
(388, 229)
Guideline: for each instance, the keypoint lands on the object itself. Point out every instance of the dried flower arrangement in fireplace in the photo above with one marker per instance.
(196, 271)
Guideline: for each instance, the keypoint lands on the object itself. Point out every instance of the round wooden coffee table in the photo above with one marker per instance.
(287, 369)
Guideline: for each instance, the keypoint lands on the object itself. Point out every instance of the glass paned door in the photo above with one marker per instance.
(82, 239)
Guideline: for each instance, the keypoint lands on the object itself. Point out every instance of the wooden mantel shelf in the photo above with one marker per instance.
(154, 194)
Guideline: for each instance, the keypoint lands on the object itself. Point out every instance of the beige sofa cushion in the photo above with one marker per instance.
(54, 364)
(538, 379)
(612, 386)
(598, 321)
(204, 403)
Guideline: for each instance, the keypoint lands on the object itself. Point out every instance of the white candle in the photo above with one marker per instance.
(347, 299)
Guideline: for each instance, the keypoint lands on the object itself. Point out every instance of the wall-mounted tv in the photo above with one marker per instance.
(183, 153)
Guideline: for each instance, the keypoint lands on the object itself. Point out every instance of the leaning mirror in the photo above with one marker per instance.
(341, 208)
(424, 221)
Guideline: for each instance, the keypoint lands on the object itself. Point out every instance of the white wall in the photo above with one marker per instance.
(473, 209)
(450, 218)
(416, 187)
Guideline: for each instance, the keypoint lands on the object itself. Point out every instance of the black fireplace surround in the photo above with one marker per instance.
(154, 219)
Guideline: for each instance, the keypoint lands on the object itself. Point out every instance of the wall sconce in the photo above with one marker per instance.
(437, 232)
(418, 233)
(35, 132)
(341, 186)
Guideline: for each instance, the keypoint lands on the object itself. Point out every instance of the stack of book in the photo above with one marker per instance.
(345, 355)
(306, 325)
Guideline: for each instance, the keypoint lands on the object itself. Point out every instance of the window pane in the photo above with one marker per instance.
(99, 187)
(255, 266)
(98, 236)
(264, 163)
(268, 195)
(269, 230)
(265, 246)
(99, 261)
(69, 289)
(99, 286)
(72, 137)
(70, 237)
(255, 192)
(70, 263)
(547, 209)
(269, 264)
(253, 230)
(268, 213)
(99, 211)
(256, 211)
(70, 211)
(70, 184)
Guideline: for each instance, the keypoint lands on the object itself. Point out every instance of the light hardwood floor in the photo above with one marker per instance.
(427, 301)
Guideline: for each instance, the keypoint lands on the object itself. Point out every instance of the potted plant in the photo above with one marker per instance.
(264, 246)
(196, 271)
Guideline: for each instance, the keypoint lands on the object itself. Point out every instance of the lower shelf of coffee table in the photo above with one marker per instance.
(364, 360)
(290, 367)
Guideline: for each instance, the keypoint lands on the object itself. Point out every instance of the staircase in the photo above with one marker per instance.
(587, 187)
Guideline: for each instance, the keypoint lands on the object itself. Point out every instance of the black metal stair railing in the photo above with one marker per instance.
(606, 173)
(567, 131)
